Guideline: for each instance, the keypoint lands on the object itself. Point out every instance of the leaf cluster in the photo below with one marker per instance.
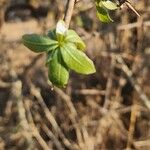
(64, 50)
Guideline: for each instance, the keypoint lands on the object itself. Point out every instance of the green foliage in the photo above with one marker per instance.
(58, 71)
(103, 7)
(73, 37)
(103, 15)
(64, 49)
(38, 43)
(76, 60)
(109, 5)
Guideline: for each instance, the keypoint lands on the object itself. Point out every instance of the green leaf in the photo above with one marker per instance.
(73, 37)
(109, 5)
(58, 71)
(49, 56)
(52, 47)
(103, 15)
(77, 60)
(38, 43)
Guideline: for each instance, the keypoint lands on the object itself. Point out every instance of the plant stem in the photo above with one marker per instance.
(69, 11)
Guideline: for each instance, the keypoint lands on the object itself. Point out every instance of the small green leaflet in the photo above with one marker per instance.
(77, 60)
(103, 7)
(38, 43)
(103, 15)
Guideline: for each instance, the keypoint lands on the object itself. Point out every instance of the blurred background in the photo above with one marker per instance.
(108, 110)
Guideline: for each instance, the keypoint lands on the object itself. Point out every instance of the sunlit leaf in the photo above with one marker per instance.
(77, 60)
(109, 5)
(73, 37)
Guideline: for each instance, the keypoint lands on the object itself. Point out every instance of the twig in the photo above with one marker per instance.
(138, 89)
(4, 84)
(41, 141)
(33, 62)
(133, 118)
(52, 137)
(91, 92)
(132, 8)
(89, 144)
(35, 132)
(109, 83)
(73, 114)
(35, 91)
(134, 25)
(143, 143)
(8, 109)
(69, 11)
(17, 95)
(67, 100)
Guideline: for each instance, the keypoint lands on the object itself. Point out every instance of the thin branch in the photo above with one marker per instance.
(91, 92)
(34, 129)
(134, 25)
(132, 8)
(73, 113)
(36, 92)
(69, 12)
(109, 84)
(52, 137)
(133, 117)
(136, 86)
(17, 95)
(142, 143)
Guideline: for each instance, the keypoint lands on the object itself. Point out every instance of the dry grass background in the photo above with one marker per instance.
(108, 110)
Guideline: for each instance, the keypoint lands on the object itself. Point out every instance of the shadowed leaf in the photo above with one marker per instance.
(38, 43)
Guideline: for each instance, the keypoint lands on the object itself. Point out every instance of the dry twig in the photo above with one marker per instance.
(35, 132)
(36, 92)
(52, 137)
(73, 114)
(91, 92)
(109, 83)
(133, 25)
(69, 11)
(17, 95)
(138, 89)
(132, 125)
